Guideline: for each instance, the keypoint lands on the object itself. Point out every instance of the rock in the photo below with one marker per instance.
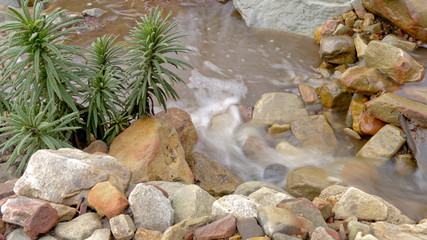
(364, 80)
(405, 165)
(373, 29)
(212, 177)
(384, 144)
(350, 132)
(305, 208)
(249, 228)
(332, 194)
(360, 11)
(96, 146)
(408, 15)
(275, 173)
(386, 231)
(2, 226)
(79, 173)
(66, 17)
(369, 125)
(278, 107)
(18, 234)
(308, 94)
(327, 29)
(34, 215)
(6, 189)
(181, 121)
(170, 187)
(100, 234)
(287, 149)
(333, 97)
(399, 42)
(278, 220)
(268, 197)
(338, 49)
(222, 228)
(416, 93)
(357, 108)
(301, 17)
(394, 61)
(324, 207)
(80, 227)
(360, 46)
(312, 132)
(145, 234)
(349, 18)
(321, 234)
(181, 229)
(93, 12)
(151, 149)
(65, 213)
(48, 237)
(10, 174)
(279, 128)
(281, 236)
(342, 30)
(191, 201)
(237, 205)
(388, 106)
(122, 227)
(151, 210)
(107, 199)
(247, 188)
(306, 182)
(354, 227)
(365, 237)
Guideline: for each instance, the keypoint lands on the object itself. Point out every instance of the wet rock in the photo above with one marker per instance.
(278, 107)
(364, 80)
(369, 125)
(416, 93)
(96, 146)
(79, 173)
(81, 227)
(409, 15)
(327, 29)
(295, 16)
(34, 215)
(333, 97)
(247, 188)
(399, 42)
(211, 176)
(278, 220)
(388, 106)
(338, 49)
(144, 234)
(151, 149)
(350, 132)
(360, 46)
(181, 121)
(93, 12)
(384, 230)
(305, 208)
(312, 132)
(320, 233)
(249, 228)
(107, 199)
(268, 197)
(222, 228)
(100, 234)
(279, 128)
(191, 201)
(151, 210)
(308, 94)
(394, 61)
(18, 234)
(122, 227)
(405, 165)
(354, 227)
(275, 173)
(181, 229)
(306, 182)
(237, 205)
(384, 144)
(357, 108)
(287, 149)
(66, 17)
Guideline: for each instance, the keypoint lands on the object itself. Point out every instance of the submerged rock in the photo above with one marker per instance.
(370, 125)
(338, 49)
(307, 182)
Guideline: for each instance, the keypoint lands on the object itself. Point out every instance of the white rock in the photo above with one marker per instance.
(238, 205)
(268, 197)
(122, 227)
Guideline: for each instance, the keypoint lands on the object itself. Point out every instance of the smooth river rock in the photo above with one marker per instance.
(68, 175)
(268, 197)
(307, 182)
(399, 42)
(278, 220)
(364, 80)
(333, 96)
(338, 49)
(79, 228)
(238, 205)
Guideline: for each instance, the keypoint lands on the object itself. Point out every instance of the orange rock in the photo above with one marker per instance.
(357, 107)
(369, 124)
(107, 199)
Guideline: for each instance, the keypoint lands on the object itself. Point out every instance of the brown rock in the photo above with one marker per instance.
(333, 97)
(96, 146)
(399, 42)
(364, 80)
(145, 234)
(6, 189)
(308, 94)
(2, 226)
(326, 30)
(249, 228)
(306, 182)
(181, 121)
(357, 107)
(416, 93)
(150, 147)
(338, 49)
(360, 11)
(107, 199)
(221, 228)
(324, 207)
(64, 212)
(305, 208)
(369, 125)
(41, 221)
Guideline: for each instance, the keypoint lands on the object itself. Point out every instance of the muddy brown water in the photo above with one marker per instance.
(234, 65)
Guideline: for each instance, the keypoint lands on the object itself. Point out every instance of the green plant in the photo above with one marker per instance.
(152, 41)
(34, 128)
(38, 67)
(117, 124)
(105, 88)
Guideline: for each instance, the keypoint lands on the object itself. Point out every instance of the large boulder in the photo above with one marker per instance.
(410, 15)
(66, 176)
(278, 107)
(394, 61)
(151, 149)
(297, 16)
(364, 80)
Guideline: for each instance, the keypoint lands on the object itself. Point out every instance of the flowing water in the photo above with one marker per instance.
(233, 66)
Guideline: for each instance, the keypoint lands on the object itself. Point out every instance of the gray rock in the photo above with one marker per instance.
(18, 234)
(151, 210)
(238, 205)
(338, 49)
(306, 182)
(100, 234)
(94, 12)
(79, 173)
(278, 220)
(321, 234)
(297, 16)
(268, 197)
(122, 227)
(191, 202)
(48, 237)
(170, 187)
(399, 42)
(249, 187)
(354, 227)
(249, 228)
(388, 231)
(81, 227)
(384, 144)
(278, 107)
(304, 208)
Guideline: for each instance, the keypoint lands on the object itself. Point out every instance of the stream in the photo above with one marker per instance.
(233, 66)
